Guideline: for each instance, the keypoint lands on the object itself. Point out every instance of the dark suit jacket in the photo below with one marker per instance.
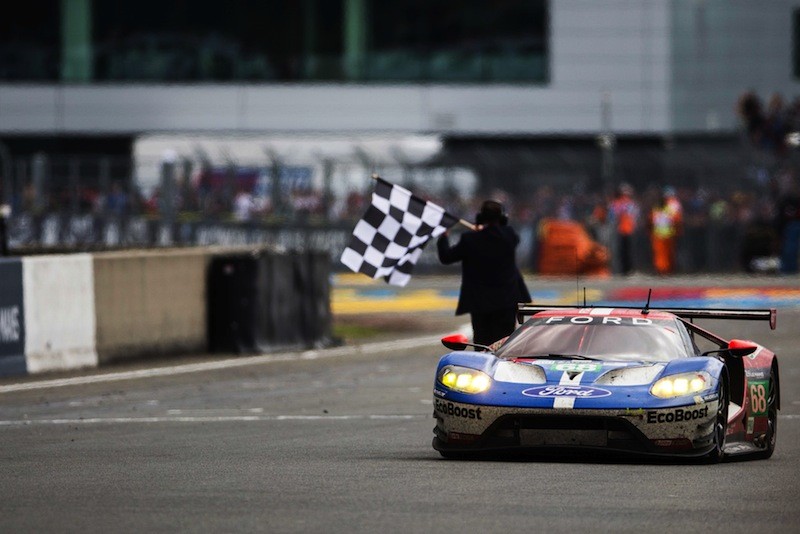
(490, 279)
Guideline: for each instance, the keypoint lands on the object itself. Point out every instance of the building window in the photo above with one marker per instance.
(362, 41)
(29, 41)
(459, 40)
(796, 43)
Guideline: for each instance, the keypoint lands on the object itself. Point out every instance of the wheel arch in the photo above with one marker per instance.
(777, 381)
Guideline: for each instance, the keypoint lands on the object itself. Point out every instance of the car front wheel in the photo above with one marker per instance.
(720, 424)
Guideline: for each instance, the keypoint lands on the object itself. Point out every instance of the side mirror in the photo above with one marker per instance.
(461, 342)
(741, 348)
(455, 341)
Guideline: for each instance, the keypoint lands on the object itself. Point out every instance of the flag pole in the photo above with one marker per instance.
(464, 222)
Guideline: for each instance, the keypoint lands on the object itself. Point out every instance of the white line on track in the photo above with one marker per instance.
(229, 418)
(209, 419)
(384, 346)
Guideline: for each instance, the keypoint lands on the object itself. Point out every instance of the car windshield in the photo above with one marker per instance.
(602, 338)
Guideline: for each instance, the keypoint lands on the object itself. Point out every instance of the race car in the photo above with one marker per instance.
(623, 380)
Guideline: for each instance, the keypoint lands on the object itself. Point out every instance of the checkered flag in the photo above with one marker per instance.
(390, 237)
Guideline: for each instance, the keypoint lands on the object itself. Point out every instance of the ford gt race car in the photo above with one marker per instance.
(609, 379)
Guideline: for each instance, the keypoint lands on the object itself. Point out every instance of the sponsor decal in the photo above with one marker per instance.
(759, 391)
(9, 324)
(679, 443)
(448, 408)
(12, 317)
(757, 374)
(677, 416)
(439, 393)
(576, 367)
(576, 392)
(750, 424)
(587, 319)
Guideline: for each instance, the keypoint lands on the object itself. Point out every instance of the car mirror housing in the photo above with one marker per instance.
(741, 348)
(455, 341)
(461, 342)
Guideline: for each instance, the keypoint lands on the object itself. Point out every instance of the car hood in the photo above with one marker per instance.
(599, 383)
(547, 371)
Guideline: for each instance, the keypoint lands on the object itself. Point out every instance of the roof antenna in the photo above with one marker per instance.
(646, 309)
(577, 279)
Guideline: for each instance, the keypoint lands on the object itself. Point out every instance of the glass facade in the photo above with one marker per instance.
(362, 41)
(30, 42)
(796, 44)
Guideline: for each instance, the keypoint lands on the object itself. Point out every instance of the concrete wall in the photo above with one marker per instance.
(59, 312)
(150, 303)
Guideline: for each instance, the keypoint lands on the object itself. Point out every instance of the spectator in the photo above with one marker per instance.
(665, 225)
(751, 114)
(625, 215)
(117, 201)
(789, 227)
(775, 126)
(243, 206)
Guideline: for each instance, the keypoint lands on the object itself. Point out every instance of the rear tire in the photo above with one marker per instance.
(772, 417)
(720, 424)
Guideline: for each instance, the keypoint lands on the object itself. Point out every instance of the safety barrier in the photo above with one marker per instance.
(58, 296)
(61, 312)
(12, 318)
(263, 301)
(150, 303)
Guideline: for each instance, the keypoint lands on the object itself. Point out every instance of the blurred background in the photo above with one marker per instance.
(154, 124)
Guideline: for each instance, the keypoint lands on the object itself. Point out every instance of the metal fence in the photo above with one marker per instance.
(92, 202)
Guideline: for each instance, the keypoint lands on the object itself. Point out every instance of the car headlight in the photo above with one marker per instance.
(464, 379)
(681, 384)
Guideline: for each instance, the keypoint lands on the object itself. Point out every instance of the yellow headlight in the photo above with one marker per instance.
(464, 380)
(680, 385)
(449, 378)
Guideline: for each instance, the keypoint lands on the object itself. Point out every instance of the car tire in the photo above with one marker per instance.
(720, 424)
(772, 417)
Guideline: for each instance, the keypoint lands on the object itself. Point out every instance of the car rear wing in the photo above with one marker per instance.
(767, 314)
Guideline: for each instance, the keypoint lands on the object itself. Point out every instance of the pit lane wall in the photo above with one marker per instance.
(60, 312)
(58, 297)
(150, 303)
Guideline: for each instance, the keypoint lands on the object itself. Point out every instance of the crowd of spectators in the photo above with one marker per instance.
(766, 209)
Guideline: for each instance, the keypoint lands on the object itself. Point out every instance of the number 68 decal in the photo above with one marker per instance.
(758, 397)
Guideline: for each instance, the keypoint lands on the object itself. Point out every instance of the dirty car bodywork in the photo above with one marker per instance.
(609, 379)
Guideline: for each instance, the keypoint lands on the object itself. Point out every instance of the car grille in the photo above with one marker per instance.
(556, 431)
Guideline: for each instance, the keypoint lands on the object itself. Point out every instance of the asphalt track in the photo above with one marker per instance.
(338, 440)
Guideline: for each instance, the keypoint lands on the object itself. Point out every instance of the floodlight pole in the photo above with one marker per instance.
(5, 198)
(607, 141)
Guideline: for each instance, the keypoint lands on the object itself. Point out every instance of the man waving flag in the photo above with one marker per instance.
(390, 237)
